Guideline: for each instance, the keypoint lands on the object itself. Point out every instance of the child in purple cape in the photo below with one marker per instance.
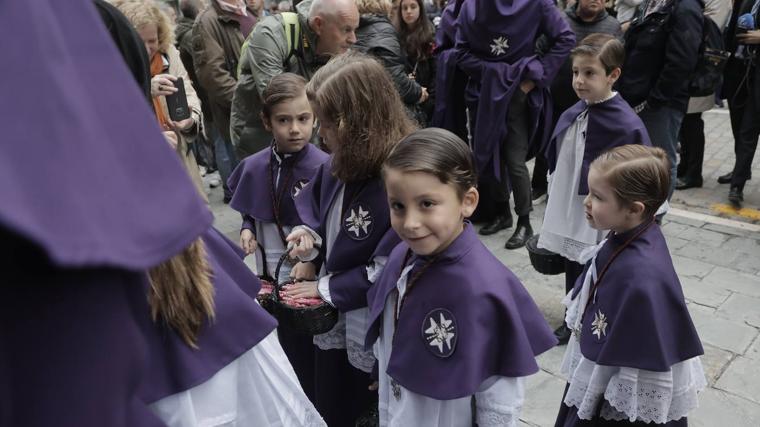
(264, 186)
(600, 120)
(449, 322)
(344, 208)
(633, 358)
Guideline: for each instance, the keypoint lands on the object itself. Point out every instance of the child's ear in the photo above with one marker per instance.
(637, 209)
(470, 202)
(267, 122)
(615, 74)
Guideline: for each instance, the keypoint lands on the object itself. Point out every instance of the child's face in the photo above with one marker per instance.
(604, 211)
(291, 123)
(590, 81)
(426, 213)
(328, 131)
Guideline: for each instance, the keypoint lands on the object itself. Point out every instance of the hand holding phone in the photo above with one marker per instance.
(176, 103)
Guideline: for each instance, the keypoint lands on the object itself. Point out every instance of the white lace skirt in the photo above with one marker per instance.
(259, 388)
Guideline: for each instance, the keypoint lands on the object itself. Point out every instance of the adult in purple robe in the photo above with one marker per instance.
(636, 320)
(357, 215)
(506, 94)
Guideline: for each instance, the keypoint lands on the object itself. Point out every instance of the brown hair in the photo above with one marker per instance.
(437, 152)
(417, 42)
(607, 48)
(357, 96)
(283, 87)
(374, 7)
(181, 292)
(636, 173)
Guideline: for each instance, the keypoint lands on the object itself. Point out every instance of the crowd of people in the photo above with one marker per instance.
(365, 145)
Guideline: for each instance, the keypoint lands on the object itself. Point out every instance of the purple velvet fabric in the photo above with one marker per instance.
(498, 328)
(610, 124)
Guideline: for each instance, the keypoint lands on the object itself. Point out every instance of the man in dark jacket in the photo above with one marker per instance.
(584, 17)
(661, 49)
(218, 34)
(742, 90)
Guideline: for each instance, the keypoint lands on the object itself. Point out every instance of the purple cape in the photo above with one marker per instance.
(647, 323)
(69, 173)
(610, 124)
(365, 231)
(499, 329)
(240, 323)
(250, 183)
(495, 44)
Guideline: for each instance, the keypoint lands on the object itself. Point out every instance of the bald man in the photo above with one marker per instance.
(325, 28)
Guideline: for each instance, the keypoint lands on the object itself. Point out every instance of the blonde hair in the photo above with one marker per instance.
(358, 97)
(636, 173)
(142, 12)
(374, 7)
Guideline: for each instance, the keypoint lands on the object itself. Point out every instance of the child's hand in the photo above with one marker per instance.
(302, 290)
(303, 243)
(303, 271)
(374, 386)
(248, 241)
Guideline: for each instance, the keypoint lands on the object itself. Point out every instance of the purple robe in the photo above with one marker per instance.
(498, 330)
(239, 324)
(365, 231)
(611, 123)
(250, 183)
(495, 43)
(648, 324)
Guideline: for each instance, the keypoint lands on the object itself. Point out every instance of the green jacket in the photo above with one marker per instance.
(262, 57)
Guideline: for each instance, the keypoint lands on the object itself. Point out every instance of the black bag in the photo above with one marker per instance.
(707, 76)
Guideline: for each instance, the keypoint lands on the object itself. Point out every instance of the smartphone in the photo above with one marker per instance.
(176, 103)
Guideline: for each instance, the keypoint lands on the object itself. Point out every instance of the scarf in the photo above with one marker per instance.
(157, 67)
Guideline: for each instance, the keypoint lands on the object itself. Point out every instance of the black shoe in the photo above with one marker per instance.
(736, 196)
(501, 222)
(562, 334)
(683, 184)
(726, 179)
(538, 195)
(521, 235)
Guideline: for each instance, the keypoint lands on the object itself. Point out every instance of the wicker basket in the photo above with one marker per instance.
(313, 320)
(544, 261)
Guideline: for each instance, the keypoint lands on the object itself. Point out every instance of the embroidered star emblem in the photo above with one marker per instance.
(599, 325)
(300, 185)
(441, 333)
(359, 221)
(499, 46)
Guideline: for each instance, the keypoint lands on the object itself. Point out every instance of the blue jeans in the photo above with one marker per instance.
(226, 161)
(663, 124)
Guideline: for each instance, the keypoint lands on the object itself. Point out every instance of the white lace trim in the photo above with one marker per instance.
(358, 357)
(494, 413)
(335, 338)
(632, 394)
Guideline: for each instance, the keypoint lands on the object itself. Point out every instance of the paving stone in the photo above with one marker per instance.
(543, 396)
(703, 293)
(754, 350)
(691, 267)
(722, 333)
(676, 242)
(718, 408)
(714, 362)
(742, 308)
(674, 229)
(551, 361)
(742, 283)
(741, 378)
(685, 221)
(710, 255)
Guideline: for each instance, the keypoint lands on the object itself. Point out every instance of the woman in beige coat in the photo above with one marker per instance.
(157, 32)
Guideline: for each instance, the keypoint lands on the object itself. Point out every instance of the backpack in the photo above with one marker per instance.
(292, 35)
(707, 76)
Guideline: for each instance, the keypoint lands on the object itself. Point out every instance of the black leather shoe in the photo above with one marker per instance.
(563, 334)
(521, 235)
(501, 222)
(736, 196)
(726, 179)
(683, 184)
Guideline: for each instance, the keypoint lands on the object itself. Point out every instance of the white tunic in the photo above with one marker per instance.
(565, 230)
(258, 388)
(498, 401)
(628, 393)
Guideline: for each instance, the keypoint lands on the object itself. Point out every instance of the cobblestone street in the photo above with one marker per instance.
(716, 251)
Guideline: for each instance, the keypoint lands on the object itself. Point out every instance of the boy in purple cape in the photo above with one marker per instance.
(506, 93)
(264, 186)
(633, 358)
(94, 351)
(599, 121)
(344, 209)
(449, 322)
